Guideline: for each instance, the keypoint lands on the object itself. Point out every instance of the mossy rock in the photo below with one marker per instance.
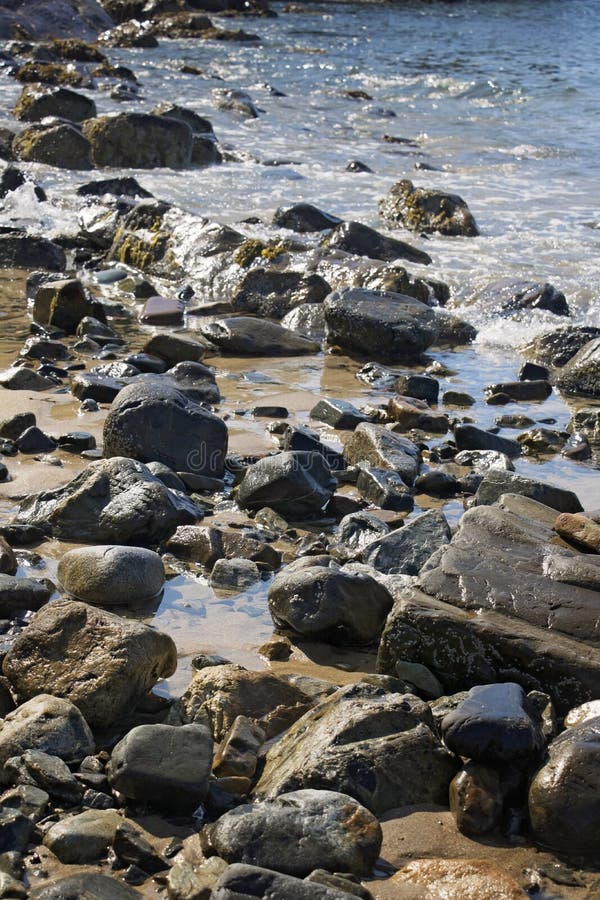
(77, 50)
(138, 140)
(427, 211)
(50, 73)
(148, 254)
(60, 145)
(38, 101)
(254, 249)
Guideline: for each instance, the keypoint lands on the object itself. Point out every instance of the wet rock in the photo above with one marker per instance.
(541, 441)
(352, 237)
(298, 832)
(556, 348)
(579, 530)
(405, 550)
(35, 103)
(29, 800)
(82, 20)
(242, 882)
(19, 378)
(273, 294)
(162, 311)
(24, 251)
(347, 883)
(424, 210)
(457, 398)
(339, 414)
(304, 217)
(198, 124)
(95, 886)
(385, 488)
(469, 437)
(562, 808)
(152, 421)
(383, 449)
(111, 501)
(248, 336)
(83, 838)
(234, 575)
(51, 73)
(20, 594)
(456, 879)
(307, 319)
(64, 304)
(237, 102)
(302, 438)
(531, 372)
(497, 482)
(126, 186)
(409, 413)
(217, 695)
(132, 848)
(238, 754)
(386, 326)
(481, 461)
(33, 440)
(101, 388)
(175, 348)
(15, 425)
(111, 575)
(139, 141)
(359, 529)
(186, 881)
(296, 484)
(582, 713)
(8, 560)
(423, 387)
(453, 331)
(494, 724)
(61, 145)
(77, 441)
(580, 376)
(15, 832)
(47, 724)
(518, 391)
(329, 603)
(375, 746)
(207, 544)
(437, 483)
(164, 766)
(476, 799)
(100, 662)
(49, 773)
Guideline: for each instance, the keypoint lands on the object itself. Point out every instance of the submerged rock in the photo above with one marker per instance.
(37, 101)
(509, 294)
(421, 209)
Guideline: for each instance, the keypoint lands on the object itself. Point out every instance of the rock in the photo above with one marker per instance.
(89, 885)
(15, 832)
(405, 550)
(139, 141)
(111, 575)
(18, 378)
(386, 326)
(272, 294)
(48, 724)
(469, 437)
(423, 387)
(126, 186)
(476, 799)
(409, 413)
(186, 881)
(580, 376)
(162, 311)
(304, 217)
(301, 438)
(8, 560)
(29, 800)
(175, 348)
(84, 838)
(296, 484)
(457, 879)
(58, 144)
(234, 575)
(35, 103)
(494, 724)
(236, 101)
(454, 332)
(497, 482)
(64, 304)
(241, 882)
(518, 391)
(111, 501)
(582, 713)
(20, 594)
(14, 426)
(509, 294)
(164, 766)
(24, 251)
(248, 336)
(217, 695)
(100, 662)
(298, 832)
(562, 808)
(198, 124)
(364, 241)
(32, 21)
(152, 421)
(556, 348)
(206, 545)
(238, 754)
(328, 603)
(101, 388)
(385, 488)
(359, 529)
(481, 461)
(339, 414)
(580, 530)
(132, 848)
(437, 483)
(383, 449)
(47, 772)
(307, 319)
(457, 398)
(423, 210)
(376, 746)
(33, 440)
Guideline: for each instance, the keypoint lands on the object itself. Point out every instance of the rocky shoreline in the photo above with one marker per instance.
(424, 721)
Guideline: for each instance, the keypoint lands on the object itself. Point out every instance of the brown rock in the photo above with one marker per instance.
(162, 311)
(580, 530)
(475, 799)
(460, 879)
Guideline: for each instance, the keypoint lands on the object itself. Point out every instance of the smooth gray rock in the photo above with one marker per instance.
(15, 425)
(298, 832)
(83, 838)
(112, 575)
(296, 484)
(164, 766)
(383, 449)
(175, 348)
(249, 336)
(339, 414)
(234, 574)
(19, 378)
(469, 437)
(405, 550)
(242, 882)
(497, 482)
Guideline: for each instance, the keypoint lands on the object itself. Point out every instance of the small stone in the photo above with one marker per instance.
(476, 799)
(84, 838)
(33, 440)
(234, 574)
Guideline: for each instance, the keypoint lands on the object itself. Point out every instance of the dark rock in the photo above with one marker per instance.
(380, 447)
(301, 438)
(24, 251)
(109, 575)
(15, 831)
(329, 603)
(364, 241)
(423, 210)
(389, 327)
(339, 414)
(347, 883)
(385, 488)
(29, 800)
(42, 348)
(77, 441)
(509, 294)
(92, 885)
(454, 332)
(83, 838)
(50, 773)
(248, 336)
(163, 765)
(304, 217)
(437, 483)
(145, 362)
(532, 372)
(102, 663)
(58, 144)
(152, 421)
(139, 141)
(14, 426)
(359, 529)
(541, 441)
(273, 294)
(20, 594)
(405, 550)
(423, 387)
(580, 376)
(127, 186)
(355, 165)
(175, 348)
(237, 755)
(307, 319)
(234, 575)
(241, 882)
(19, 378)
(410, 413)
(198, 124)
(520, 391)
(37, 102)
(296, 484)
(63, 304)
(101, 388)
(469, 437)
(162, 311)
(476, 799)
(132, 848)
(497, 482)
(208, 544)
(556, 348)
(33, 440)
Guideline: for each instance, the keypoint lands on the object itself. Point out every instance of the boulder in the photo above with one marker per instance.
(340, 414)
(476, 799)
(404, 551)
(50, 724)
(498, 481)
(37, 102)
(153, 421)
(424, 210)
(359, 529)
(84, 838)
(248, 336)
(111, 501)
(207, 544)
(556, 348)
(19, 378)
(272, 294)
(364, 241)
(234, 575)
(241, 882)
(175, 348)
(379, 324)
(580, 376)
(469, 437)
(329, 603)
(563, 795)
(296, 484)
(139, 141)
(165, 766)
(376, 746)
(111, 575)
(49, 774)
(217, 695)
(579, 530)
(509, 294)
(58, 144)
(307, 319)
(384, 449)
(102, 663)
(24, 251)
(89, 885)
(301, 438)
(385, 488)
(304, 218)
(409, 414)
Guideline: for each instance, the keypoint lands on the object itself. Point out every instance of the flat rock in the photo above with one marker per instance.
(112, 575)
(405, 550)
(296, 484)
(364, 241)
(382, 448)
(88, 884)
(102, 663)
(457, 879)
(242, 882)
(162, 311)
(249, 336)
(497, 482)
